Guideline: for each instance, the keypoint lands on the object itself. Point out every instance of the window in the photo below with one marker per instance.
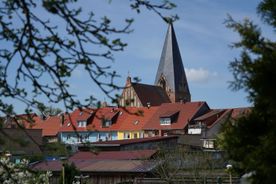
(169, 117)
(135, 135)
(108, 137)
(208, 144)
(81, 123)
(68, 137)
(165, 121)
(126, 135)
(99, 138)
(106, 123)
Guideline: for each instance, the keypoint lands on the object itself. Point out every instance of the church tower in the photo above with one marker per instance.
(171, 74)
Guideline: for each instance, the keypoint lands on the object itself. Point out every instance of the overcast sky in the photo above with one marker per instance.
(203, 41)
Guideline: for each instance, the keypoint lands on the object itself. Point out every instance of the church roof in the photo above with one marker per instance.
(154, 95)
(171, 66)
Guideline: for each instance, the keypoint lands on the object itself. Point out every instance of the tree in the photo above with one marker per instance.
(250, 142)
(37, 49)
(180, 165)
(45, 111)
(34, 49)
(12, 173)
(70, 171)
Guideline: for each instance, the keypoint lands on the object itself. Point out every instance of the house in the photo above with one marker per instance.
(142, 95)
(174, 118)
(115, 155)
(104, 167)
(211, 130)
(203, 131)
(170, 83)
(137, 144)
(49, 125)
(75, 125)
(104, 124)
(131, 126)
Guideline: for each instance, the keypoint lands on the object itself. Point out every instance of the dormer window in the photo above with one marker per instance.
(168, 118)
(165, 121)
(109, 118)
(106, 123)
(82, 123)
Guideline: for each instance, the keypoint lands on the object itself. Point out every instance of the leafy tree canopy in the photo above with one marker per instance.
(250, 142)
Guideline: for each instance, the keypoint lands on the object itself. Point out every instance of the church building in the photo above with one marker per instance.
(170, 82)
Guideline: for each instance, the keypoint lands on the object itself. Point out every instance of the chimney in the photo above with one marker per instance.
(148, 105)
(104, 104)
(128, 81)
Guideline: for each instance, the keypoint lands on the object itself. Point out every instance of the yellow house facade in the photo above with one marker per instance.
(130, 134)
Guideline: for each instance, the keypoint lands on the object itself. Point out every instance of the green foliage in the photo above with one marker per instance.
(250, 142)
(56, 149)
(48, 111)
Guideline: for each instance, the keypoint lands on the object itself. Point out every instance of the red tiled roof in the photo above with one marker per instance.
(50, 126)
(101, 114)
(233, 113)
(70, 122)
(127, 118)
(209, 114)
(135, 118)
(169, 113)
(211, 117)
(118, 155)
(133, 141)
(237, 112)
(187, 111)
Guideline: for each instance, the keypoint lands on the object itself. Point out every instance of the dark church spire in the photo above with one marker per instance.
(171, 74)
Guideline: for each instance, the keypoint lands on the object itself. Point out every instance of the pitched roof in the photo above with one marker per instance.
(171, 67)
(70, 121)
(101, 114)
(154, 95)
(118, 155)
(132, 141)
(21, 141)
(233, 113)
(187, 112)
(238, 112)
(133, 166)
(114, 166)
(49, 126)
(135, 118)
(211, 117)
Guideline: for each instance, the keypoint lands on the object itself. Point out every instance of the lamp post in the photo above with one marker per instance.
(229, 169)
(63, 159)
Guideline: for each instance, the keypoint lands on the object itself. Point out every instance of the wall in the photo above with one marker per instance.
(82, 137)
(140, 134)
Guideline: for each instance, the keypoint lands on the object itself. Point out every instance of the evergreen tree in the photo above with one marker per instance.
(250, 142)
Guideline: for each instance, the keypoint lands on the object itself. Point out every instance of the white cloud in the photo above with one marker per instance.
(199, 75)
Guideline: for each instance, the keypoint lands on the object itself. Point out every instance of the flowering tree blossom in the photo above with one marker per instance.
(11, 173)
